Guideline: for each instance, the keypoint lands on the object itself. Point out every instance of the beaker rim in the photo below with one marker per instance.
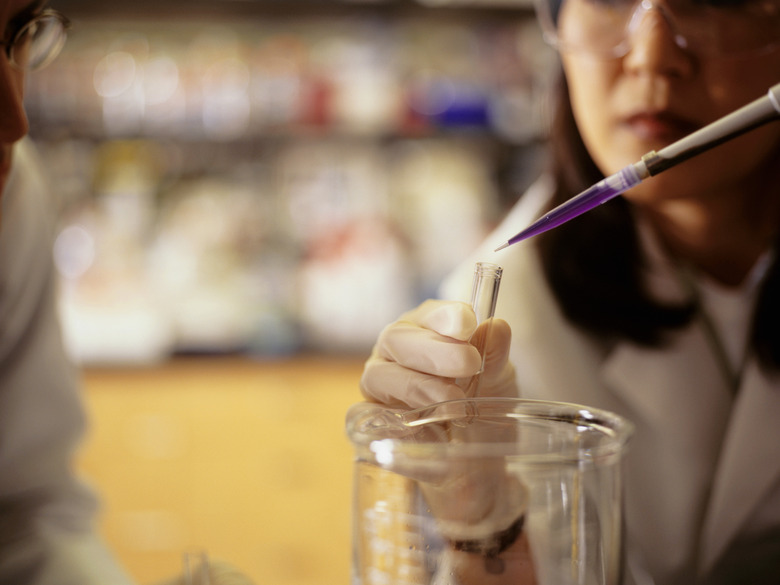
(398, 429)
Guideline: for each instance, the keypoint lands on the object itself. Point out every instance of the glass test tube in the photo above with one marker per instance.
(484, 294)
(196, 567)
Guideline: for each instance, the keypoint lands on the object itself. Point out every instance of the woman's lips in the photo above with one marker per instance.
(661, 127)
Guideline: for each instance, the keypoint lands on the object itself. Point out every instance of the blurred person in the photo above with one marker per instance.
(662, 305)
(46, 514)
(47, 535)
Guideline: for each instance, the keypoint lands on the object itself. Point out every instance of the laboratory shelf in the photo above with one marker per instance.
(273, 164)
(294, 8)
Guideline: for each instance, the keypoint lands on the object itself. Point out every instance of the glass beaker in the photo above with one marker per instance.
(487, 491)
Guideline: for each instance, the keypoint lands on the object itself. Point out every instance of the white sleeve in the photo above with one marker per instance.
(46, 514)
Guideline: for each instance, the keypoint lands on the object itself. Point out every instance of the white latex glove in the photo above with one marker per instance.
(418, 359)
(424, 358)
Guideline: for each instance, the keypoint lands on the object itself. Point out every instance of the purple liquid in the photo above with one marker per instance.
(582, 203)
(594, 196)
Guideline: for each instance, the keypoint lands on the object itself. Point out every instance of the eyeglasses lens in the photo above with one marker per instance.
(39, 41)
(722, 27)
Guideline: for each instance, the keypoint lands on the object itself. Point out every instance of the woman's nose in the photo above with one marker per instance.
(655, 45)
(13, 119)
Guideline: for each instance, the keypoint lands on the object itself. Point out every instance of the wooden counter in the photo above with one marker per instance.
(246, 459)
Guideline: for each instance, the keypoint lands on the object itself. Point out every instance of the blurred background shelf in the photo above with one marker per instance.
(298, 8)
(271, 178)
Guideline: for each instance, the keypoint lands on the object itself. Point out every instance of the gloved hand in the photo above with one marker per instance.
(424, 358)
(418, 359)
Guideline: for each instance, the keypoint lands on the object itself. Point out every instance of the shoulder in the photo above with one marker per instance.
(27, 228)
(26, 239)
(29, 212)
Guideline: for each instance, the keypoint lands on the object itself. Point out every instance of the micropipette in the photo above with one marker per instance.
(753, 115)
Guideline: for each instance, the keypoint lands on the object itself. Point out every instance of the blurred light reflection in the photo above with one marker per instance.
(74, 251)
(115, 74)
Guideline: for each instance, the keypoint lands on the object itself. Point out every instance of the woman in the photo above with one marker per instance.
(661, 305)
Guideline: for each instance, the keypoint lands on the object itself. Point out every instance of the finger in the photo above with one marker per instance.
(499, 372)
(428, 352)
(448, 318)
(499, 340)
(394, 385)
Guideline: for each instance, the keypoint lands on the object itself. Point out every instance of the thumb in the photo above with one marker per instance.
(498, 375)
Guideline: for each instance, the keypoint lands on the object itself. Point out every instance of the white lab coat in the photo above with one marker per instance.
(46, 514)
(703, 469)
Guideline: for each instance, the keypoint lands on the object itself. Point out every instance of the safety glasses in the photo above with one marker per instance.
(38, 41)
(712, 27)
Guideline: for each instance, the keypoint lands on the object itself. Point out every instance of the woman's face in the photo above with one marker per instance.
(13, 121)
(658, 93)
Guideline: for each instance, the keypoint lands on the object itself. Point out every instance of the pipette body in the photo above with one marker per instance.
(753, 115)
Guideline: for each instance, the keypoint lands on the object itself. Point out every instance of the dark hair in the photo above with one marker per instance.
(593, 263)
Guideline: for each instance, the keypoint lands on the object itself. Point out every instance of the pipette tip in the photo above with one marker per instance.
(502, 246)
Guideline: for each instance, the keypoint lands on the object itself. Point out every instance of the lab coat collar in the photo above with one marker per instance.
(732, 432)
(731, 435)
(745, 450)
(645, 380)
(748, 452)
